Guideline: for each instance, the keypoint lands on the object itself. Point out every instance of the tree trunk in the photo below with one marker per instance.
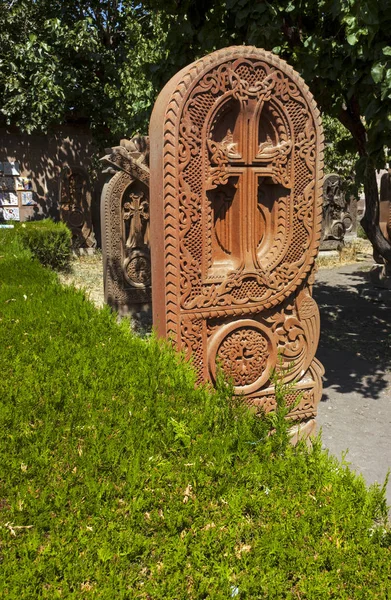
(370, 221)
(350, 118)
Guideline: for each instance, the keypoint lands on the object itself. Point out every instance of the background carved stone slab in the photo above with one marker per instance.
(75, 205)
(339, 214)
(236, 206)
(125, 230)
(385, 205)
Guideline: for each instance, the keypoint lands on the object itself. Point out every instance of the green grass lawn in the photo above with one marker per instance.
(119, 479)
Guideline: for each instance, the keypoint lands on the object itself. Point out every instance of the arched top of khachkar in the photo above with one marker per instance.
(125, 229)
(236, 207)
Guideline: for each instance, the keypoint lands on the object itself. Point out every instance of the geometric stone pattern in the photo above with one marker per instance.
(236, 207)
(339, 214)
(125, 228)
(75, 205)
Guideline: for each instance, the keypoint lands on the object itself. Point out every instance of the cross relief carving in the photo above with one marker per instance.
(136, 212)
(248, 169)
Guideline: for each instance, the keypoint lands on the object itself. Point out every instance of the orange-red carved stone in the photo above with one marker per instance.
(236, 207)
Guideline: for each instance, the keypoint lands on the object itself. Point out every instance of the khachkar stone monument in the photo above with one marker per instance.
(236, 207)
(125, 230)
(75, 205)
(339, 222)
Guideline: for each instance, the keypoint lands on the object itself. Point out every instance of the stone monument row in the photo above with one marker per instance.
(236, 208)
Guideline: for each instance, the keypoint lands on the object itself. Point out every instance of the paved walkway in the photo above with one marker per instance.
(355, 349)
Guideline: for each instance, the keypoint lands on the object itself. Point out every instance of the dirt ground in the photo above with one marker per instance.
(87, 273)
(355, 349)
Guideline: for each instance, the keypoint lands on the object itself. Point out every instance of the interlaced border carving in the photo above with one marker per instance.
(172, 245)
(190, 300)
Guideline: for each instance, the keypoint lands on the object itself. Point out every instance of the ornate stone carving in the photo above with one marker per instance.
(339, 214)
(245, 352)
(125, 229)
(75, 205)
(236, 206)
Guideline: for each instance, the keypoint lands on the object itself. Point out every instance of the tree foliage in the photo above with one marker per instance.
(342, 48)
(340, 155)
(63, 60)
(106, 61)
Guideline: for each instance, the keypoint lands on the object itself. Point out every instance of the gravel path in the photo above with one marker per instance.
(87, 274)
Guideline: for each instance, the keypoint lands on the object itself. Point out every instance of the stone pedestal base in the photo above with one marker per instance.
(302, 431)
(84, 251)
(329, 254)
(140, 316)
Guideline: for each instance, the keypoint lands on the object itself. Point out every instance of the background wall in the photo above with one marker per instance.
(41, 158)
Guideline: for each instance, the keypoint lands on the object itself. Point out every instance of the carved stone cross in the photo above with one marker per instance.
(137, 213)
(241, 170)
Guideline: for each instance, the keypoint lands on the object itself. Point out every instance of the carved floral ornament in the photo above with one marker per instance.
(236, 214)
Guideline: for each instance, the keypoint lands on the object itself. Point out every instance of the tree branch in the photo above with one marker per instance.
(350, 118)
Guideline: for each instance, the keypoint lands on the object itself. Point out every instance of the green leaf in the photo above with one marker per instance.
(350, 20)
(372, 108)
(387, 50)
(352, 39)
(377, 72)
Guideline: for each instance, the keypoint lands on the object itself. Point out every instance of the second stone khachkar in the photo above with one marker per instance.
(339, 220)
(236, 207)
(125, 230)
